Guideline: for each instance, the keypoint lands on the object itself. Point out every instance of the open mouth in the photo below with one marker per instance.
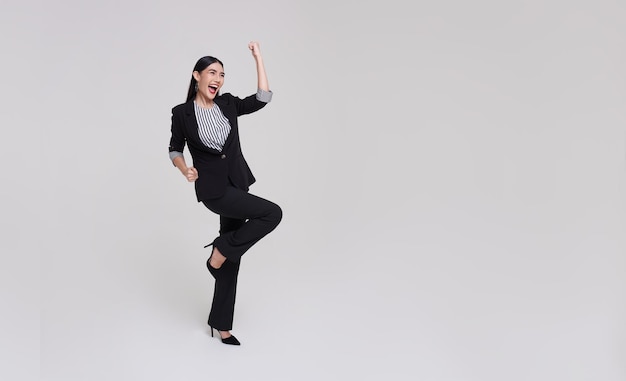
(213, 89)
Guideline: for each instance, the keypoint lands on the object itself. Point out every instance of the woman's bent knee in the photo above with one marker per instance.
(276, 214)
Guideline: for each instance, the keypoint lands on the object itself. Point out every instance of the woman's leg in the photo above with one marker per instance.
(223, 306)
(244, 220)
(261, 216)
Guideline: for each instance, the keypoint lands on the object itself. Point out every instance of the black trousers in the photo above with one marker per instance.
(244, 220)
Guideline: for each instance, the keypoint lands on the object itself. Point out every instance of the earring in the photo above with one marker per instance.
(196, 86)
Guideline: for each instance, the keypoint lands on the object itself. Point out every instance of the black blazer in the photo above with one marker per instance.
(215, 169)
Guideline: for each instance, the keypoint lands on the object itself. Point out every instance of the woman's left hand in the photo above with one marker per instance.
(254, 48)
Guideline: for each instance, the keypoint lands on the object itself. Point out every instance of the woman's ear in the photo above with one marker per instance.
(196, 76)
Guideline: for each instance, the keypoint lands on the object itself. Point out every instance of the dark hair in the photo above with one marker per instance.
(202, 64)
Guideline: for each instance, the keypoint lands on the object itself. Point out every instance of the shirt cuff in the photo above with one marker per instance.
(264, 96)
(175, 154)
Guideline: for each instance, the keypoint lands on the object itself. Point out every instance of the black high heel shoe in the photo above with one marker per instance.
(212, 269)
(231, 340)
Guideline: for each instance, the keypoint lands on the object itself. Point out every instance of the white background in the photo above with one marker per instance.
(452, 176)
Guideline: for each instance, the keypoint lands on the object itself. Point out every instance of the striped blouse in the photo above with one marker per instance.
(213, 127)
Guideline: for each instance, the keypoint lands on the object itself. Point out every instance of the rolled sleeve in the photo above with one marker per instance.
(264, 96)
(175, 154)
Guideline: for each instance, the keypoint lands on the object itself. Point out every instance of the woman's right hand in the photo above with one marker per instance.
(191, 174)
(255, 49)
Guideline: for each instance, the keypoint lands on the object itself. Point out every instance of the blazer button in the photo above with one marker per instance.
(223, 156)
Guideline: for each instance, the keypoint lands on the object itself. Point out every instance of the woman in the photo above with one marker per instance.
(207, 123)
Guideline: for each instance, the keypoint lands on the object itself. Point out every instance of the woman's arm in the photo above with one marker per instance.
(177, 145)
(263, 95)
(262, 84)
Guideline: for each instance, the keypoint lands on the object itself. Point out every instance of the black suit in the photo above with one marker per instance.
(222, 186)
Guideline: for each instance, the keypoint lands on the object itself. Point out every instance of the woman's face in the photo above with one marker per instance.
(210, 80)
